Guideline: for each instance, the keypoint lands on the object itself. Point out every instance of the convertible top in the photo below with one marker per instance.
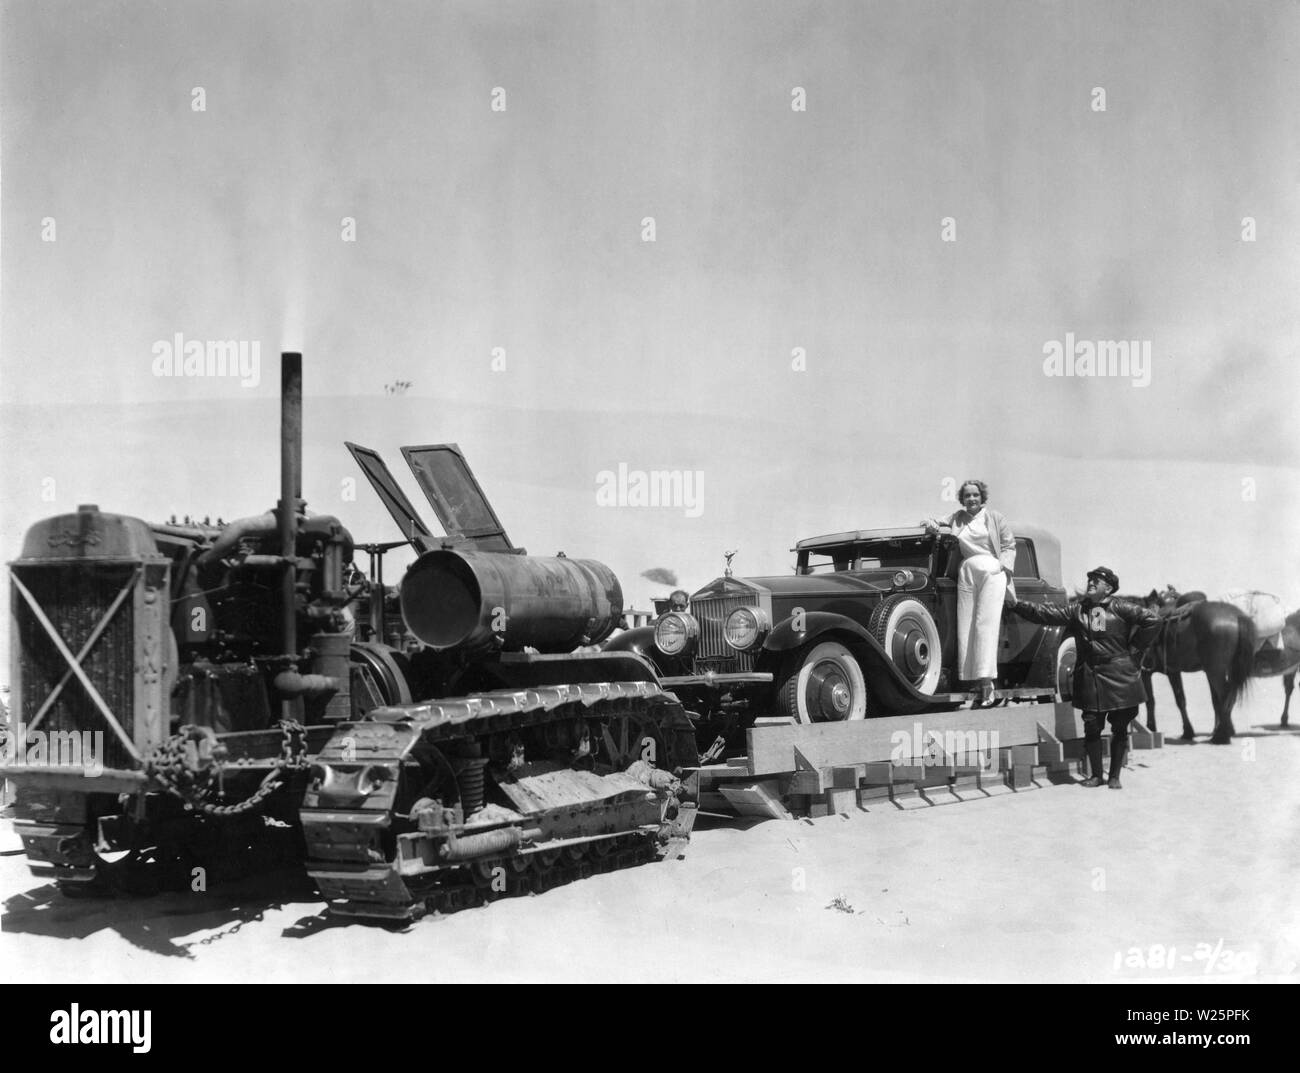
(855, 536)
(1047, 548)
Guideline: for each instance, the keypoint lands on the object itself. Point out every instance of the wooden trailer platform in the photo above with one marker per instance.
(900, 762)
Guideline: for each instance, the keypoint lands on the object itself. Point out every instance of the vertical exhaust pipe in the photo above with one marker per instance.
(290, 492)
(328, 662)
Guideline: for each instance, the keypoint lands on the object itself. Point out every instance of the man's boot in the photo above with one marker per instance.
(1118, 747)
(1093, 749)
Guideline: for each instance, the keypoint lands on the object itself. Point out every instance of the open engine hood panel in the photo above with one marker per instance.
(392, 496)
(458, 501)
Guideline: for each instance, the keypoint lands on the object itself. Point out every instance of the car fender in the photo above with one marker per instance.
(784, 638)
(639, 639)
(1042, 664)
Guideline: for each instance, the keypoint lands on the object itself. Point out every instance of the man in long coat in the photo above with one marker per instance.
(1107, 681)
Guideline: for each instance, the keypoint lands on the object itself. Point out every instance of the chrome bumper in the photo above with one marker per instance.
(711, 680)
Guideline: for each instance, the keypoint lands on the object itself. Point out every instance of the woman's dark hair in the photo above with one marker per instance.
(984, 490)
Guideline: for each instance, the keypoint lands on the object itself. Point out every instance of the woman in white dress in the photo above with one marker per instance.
(988, 550)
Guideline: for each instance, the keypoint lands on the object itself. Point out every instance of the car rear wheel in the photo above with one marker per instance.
(822, 683)
(1066, 655)
(907, 632)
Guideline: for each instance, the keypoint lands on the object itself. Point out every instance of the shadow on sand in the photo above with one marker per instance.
(1259, 730)
(161, 923)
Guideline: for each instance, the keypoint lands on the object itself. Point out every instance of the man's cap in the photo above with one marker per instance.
(1107, 575)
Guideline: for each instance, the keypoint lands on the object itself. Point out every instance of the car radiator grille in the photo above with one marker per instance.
(74, 599)
(713, 652)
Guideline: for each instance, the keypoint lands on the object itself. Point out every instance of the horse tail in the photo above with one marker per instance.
(1243, 661)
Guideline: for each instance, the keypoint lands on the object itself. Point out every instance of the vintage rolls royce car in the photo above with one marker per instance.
(866, 626)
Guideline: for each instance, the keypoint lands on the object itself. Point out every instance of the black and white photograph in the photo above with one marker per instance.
(613, 491)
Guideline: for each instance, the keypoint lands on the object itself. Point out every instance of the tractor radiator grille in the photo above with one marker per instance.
(74, 597)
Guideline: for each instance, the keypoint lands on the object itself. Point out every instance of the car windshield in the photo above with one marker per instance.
(874, 555)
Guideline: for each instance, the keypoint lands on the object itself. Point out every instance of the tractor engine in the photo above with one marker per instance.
(227, 621)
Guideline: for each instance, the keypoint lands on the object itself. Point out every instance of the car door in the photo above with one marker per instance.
(946, 563)
(1019, 638)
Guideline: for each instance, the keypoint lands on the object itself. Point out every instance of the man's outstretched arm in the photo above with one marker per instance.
(1043, 614)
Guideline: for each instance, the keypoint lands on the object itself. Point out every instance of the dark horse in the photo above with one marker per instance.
(1271, 661)
(1200, 635)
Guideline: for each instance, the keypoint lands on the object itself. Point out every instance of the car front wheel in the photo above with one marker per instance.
(822, 683)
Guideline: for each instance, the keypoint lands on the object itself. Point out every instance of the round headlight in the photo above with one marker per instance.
(674, 632)
(745, 628)
(903, 577)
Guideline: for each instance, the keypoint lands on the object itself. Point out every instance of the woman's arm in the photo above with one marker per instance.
(1007, 552)
(933, 525)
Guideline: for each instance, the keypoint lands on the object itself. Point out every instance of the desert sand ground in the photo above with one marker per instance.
(1199, 854)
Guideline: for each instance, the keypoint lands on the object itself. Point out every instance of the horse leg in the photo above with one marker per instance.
(1180, 698)
(1288, 684)
(1222, 717)
(1151, 701)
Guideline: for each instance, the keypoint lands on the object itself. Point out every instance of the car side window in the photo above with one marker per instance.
(1026, 565)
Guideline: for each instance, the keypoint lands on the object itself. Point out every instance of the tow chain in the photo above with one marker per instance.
(191, 765)
(208, 940)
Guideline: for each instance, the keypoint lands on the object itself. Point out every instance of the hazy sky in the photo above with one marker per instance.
(775, 229)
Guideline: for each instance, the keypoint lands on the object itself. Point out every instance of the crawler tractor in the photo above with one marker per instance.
(242, 691)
